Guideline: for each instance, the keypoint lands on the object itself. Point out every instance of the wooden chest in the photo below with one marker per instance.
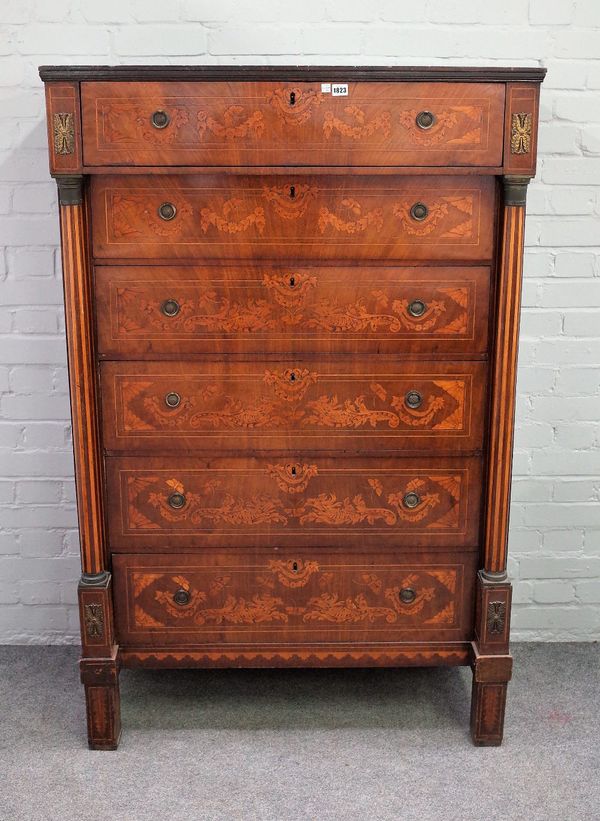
(292, 306)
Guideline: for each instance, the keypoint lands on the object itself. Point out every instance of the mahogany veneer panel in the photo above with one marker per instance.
(292, 124)
(254, 502)
(291, 308)
(314, 218)
(309, 405)
(305, 598)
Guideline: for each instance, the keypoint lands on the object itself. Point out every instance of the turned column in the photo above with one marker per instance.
(491, 662)
(100, 659)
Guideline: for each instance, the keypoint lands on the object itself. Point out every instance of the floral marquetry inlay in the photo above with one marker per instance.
(237, 124)
(294, 398)
(293, 300)
(321, 595)
(294, 105)
(357, 126)
(293, 495)
(444, 130)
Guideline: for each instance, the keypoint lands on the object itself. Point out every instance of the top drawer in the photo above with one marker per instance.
(249, 123)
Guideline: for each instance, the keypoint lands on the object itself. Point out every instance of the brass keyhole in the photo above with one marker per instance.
(292, 191)
(293, 471)
(292, 282)
(292, 97)
(295, 567)
(292, 377)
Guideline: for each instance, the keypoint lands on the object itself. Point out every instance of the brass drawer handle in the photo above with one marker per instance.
(425, 119)
(413, 399)
(172, 400)
(407, 595)
(181, 597)
(417, 307)
(160, 119)
(419, 211)
(170, 307)
(167, 211)
(411, 500)
(176, 501)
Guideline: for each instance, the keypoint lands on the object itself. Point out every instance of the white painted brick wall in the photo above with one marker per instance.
(555, 532)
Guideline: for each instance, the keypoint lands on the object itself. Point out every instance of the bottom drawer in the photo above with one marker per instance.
(304, 597)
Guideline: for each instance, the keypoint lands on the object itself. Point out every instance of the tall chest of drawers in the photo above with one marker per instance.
(292, 304)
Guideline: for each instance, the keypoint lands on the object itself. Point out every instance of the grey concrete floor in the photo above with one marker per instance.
(290, 745)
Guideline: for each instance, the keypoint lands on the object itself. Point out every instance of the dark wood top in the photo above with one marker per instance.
(295, 73)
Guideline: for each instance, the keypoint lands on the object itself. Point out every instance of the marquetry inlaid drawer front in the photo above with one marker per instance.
(281, 217)
(335, 405)
(218, 502)
(292, 124)
(235, 597)
(149, 311)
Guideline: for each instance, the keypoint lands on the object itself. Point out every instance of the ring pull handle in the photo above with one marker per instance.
(417, 307)
(413, 399)
(425, 120)
(181, 597)
(407, 595)
(176, 501)
(419, 211)
(160, 119)
(411, 500)
(167, 211)
(170, 307)
(172, 400)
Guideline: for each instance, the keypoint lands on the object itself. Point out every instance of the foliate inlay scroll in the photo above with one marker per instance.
(320, 595)
(63, 131)
(234, 125)
(129, 212)
(292, 478)
(160, 136)
(446, 314)
(374, 502)
(358, 222)
(205, 405)
(520, 133)
(445, 122)
(230, 220)
(438, 211)
(304, 104)
(360, 128)
(496, 616)
(286, 206)
(292, 384)
(293, 573)
(93, 617)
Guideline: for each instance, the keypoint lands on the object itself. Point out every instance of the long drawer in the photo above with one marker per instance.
(373, 124)
(154, 310)
(262, 502)
(350, 407)
(293, 598)
(316, 217)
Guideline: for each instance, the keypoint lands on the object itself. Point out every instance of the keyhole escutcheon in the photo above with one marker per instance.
(292, 97)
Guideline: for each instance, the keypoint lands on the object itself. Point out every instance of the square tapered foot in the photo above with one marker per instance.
(100, 678)
(488, 704)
